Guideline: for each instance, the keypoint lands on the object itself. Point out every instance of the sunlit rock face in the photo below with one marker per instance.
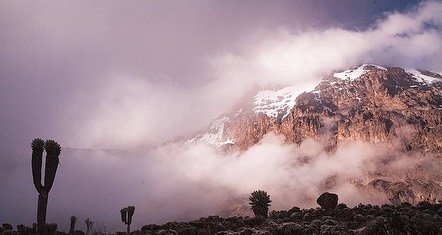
(370, 103)
(399, 109)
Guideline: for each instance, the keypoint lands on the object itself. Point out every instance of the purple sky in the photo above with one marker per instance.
(118, 74)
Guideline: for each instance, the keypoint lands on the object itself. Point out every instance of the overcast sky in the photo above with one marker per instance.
(61, 59)
(119, 74)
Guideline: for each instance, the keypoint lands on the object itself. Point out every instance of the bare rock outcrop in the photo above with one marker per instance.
(424, 218)
(382, 105)
(328, 201)
(397, 108)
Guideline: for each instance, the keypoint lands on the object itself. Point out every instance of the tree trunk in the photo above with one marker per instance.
(72, 228)
(41, 212)
(128, 229)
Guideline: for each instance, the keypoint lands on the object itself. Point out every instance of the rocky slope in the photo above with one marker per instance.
(397, 108)
(364, 219)
(368, 103)
(424, 218)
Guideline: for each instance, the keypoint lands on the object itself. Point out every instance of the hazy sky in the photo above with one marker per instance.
(61, 59)
(119, 74)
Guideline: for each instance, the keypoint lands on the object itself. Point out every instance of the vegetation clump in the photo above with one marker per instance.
(89, 225)
(72, 226)
(260, 202)
(126, 216)
(423, 218)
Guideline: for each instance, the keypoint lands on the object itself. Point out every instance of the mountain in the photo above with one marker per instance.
(369, 103)
(398, 109)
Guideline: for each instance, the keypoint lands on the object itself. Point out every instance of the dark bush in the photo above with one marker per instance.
(7, 226)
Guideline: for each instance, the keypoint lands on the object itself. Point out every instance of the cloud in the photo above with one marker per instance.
(187, 181)
(287, 57)
(126, 111)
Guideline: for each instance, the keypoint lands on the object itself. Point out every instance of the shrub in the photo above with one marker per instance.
(260, 202)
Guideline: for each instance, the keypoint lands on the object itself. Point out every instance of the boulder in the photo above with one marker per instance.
(328, 201)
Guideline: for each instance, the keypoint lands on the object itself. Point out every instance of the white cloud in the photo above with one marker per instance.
(127, 112)
(300, 57)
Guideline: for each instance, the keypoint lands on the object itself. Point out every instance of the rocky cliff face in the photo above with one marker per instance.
(368, 103)
(399, 108)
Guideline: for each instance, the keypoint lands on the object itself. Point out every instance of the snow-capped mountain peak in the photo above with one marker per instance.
(276, 103)
(355, 73)
(423, 78)
(365, 94)
(215, 136)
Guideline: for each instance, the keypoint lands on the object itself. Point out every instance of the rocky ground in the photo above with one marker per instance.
(423, 218)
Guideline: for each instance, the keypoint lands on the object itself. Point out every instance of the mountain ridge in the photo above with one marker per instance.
(397, 111)
(369, 94)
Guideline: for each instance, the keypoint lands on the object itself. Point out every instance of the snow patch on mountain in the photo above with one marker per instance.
(353, 74)
(277, 103)
(422, 78)
(215, 136)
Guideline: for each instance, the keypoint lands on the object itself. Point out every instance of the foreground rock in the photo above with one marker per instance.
(424, 218)
(328, 201)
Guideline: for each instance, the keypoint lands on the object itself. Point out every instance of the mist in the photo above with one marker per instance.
(182, 181)
(112, 83)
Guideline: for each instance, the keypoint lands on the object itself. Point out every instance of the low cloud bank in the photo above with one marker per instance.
(181, 181)
(126, 111)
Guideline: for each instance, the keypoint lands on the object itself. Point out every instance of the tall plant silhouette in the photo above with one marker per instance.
(72, 227)
(126, 216)
(89, 225)
(260, 202)
(53, 150)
